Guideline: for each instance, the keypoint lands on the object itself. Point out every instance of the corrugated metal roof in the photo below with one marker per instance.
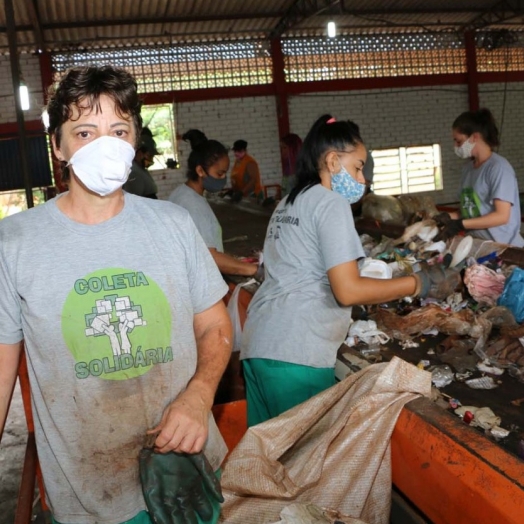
(66, 24)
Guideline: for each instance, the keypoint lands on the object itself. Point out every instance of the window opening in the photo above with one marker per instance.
(403, 170)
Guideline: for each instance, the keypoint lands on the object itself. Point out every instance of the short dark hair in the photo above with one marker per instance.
(239, 145)
(325, 134)
(88, 84)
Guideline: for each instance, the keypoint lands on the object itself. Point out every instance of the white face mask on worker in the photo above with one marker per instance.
(464, 151)
(104, 164)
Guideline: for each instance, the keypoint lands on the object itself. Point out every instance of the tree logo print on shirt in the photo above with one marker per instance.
(469, 203)
(117, 324)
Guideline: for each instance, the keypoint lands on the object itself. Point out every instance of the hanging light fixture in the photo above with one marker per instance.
(332, 29)
(24, 96)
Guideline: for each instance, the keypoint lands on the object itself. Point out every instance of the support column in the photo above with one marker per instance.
(279, 83)
(471, 69)
(15, 74)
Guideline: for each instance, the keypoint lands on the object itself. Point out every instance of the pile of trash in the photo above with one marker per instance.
(478, 305)
(478, 296)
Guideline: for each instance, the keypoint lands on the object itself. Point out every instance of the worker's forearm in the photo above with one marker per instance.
(485, 221)
(374, 291)
(229, 265)
(214, 345)
(9, 357)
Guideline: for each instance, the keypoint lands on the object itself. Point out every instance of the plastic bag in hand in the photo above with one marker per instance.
(177, 487)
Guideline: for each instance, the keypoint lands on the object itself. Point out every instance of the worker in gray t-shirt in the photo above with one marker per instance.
(301, 314)
(122, 321)
(489, 194)
(207, 167)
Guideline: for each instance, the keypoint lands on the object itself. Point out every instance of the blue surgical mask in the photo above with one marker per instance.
(344, 184)
(214, 185)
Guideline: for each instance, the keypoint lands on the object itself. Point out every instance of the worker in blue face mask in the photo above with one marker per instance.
(207, 167)
(300, 315)
(489, 193)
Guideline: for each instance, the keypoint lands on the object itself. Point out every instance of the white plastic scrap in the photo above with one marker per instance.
(486, 367)
(499, 432)
(312, 514)
(461, 377)
(482, 383)
(406, 344)
(441, 376)
(366, 331)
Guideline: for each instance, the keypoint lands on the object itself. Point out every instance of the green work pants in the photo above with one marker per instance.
(273, 387)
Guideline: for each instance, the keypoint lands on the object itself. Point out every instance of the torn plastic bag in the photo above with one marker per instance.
(232, 308)
(513, 295)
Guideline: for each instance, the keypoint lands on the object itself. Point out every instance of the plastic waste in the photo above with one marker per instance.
(441, 376)
(481, 383)
(461, 251)
(513, 295)
(232, 308)
(366, 331)
(372, 268)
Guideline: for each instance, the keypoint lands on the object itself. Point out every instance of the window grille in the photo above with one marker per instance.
(181, 66)
(404, 170)
(499, 51)
(373, 56)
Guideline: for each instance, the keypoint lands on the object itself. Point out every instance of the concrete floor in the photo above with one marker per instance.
(12, 449)
(243, 230)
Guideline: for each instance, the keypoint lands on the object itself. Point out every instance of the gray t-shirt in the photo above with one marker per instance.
(106, 313)
(201, 213)
(494, 179)
(294, 316)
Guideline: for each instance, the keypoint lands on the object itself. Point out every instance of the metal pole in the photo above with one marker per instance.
(15, 73)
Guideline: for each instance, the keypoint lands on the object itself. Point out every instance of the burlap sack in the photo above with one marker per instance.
(332, 451)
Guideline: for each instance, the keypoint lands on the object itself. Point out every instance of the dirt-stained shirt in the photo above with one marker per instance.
(106, 313)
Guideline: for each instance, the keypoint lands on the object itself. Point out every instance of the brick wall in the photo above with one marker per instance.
(30, 68)
(393, 118)
(252, 119)
(511, 126)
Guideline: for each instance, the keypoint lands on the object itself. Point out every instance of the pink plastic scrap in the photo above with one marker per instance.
(484, 284)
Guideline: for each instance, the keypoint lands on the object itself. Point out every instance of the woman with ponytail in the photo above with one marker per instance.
(489, 193)
(300, 315)
(207, 167)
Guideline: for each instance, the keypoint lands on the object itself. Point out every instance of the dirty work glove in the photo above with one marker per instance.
(178, 486)
(448, 227)
(436, 281)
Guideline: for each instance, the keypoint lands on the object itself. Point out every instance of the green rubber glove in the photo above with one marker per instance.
(177, 486)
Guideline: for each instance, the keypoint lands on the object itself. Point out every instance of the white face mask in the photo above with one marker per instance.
(464, 151)
(104, 164)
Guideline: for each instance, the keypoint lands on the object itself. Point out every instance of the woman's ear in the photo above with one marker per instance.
(332, 162)
(200, 172)
(56, 149)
